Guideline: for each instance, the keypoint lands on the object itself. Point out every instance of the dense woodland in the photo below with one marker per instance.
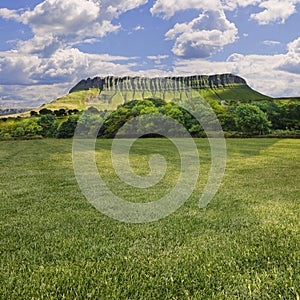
(267, 118)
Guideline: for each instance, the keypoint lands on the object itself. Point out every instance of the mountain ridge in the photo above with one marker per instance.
(141, 82)
(108, 92)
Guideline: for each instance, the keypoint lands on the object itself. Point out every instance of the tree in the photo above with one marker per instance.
(73, 111)
(49, 125)
(60, 113)
(29, 128)
(226, 117)
(32, 128)
(33, 113)
(45, 111)
(89, 123)
(251, 119)
(19, 132)
(67, 128)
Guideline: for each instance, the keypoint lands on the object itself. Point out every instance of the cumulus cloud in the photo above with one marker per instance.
(234, 4)
(65, 65)
(117, 7)
(275, 11)
(272, 10)
(273, 75)
(30, 96)
(66, 23)
(57, 22)
(203, 36)
(291, 62)
(49, 57)
(167, 8)
(61, 17)
(9, 14)
(64, 68)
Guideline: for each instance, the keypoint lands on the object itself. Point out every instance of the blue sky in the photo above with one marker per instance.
(48, 46)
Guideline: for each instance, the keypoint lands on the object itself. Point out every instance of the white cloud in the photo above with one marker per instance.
(291, 62)
(272, 10)
(49, 59)
(15, 69)
(65, 65)
(154, 57)
(61, 23)
(234, 4)
(138, 28)
(271, 43)
(69, 22)
(64, 68)
(275, 11)
(44, 46)
(62, 17)
(167, 8)
(157, 58)
(117, 7)
(31, 96)
(9, 14)
(273, 75)
(203, 36)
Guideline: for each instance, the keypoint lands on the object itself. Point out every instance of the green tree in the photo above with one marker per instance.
(32, 128)
(60, 112)
(226, 117)
(89, 123)
(175, 113)
(33, 113)
(19, 131)
(251, 119)
(45, 111)
(49, 125)
(67, 128)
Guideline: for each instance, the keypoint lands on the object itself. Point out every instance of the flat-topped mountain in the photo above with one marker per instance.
(160, 83)
(106, 93)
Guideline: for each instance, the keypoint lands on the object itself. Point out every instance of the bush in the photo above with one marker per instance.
(67, 128)
(251, 119)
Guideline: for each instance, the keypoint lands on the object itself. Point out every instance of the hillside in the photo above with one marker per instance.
(109, 92)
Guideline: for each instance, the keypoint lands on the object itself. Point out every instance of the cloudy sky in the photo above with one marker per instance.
(48, 46)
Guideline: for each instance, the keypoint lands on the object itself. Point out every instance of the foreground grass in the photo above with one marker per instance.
(244, 245)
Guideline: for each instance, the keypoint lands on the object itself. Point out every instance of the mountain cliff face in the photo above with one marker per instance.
(107, 93)
(199, 82)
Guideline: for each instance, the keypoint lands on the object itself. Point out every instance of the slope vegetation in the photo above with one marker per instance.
(106, 93)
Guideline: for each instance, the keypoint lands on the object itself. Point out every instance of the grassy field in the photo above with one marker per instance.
(244, 245)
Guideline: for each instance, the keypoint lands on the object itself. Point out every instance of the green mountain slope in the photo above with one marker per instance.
(109, 92)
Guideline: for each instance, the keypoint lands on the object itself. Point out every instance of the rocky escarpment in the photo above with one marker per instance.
(159, 83)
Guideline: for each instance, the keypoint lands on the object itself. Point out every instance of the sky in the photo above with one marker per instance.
(46, 47)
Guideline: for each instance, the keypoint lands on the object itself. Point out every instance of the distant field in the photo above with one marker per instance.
(244, 245)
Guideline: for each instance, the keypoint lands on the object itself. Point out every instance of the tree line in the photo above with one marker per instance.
(274, 118)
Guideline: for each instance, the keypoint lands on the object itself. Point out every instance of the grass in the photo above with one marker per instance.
(232, 93)
(244, 245)
(73, 101)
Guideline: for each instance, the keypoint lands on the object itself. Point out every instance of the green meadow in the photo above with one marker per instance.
(243, 245)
